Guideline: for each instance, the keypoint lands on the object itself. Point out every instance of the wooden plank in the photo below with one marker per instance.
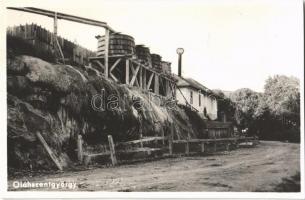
(111, 56)
(112, 150)
(106, 53)
(79, 148)
(135, 72)
(145, 139)
(100, 64)
(205, 140)
(141, 77)
(144, 79)
(156, 86)
(127, 72)
(113, 77)
(49, 151)
(115, 64)
(144, 149)
(73, 18)
(150, 80)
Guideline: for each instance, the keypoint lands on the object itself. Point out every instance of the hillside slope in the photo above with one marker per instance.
(56, 100)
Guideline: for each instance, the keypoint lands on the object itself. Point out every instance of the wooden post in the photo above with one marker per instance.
(127, 72)
(202, 147)
(215, 146)
(162, 134)
(141, 77)
(106, 52)
(144, 79)
(228, 146)
(49, 151)
(187, 145)
(141, 143)
(80, 148)
(55, 24)
(156, 89)
(170, 140)
(112, 150)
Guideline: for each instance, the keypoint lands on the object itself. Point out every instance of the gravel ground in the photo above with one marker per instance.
(270, 166)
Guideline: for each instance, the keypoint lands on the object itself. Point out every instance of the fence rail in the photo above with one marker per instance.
(113, 150)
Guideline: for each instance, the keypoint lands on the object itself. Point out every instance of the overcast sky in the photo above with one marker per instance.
(228, 44)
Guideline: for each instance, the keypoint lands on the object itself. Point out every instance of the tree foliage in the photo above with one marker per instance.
(273, 114)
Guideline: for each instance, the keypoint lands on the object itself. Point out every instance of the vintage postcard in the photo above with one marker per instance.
(152, 99)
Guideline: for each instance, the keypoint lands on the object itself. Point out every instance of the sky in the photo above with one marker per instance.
(228, 44)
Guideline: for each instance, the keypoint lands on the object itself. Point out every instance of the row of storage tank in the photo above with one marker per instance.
(121, 44)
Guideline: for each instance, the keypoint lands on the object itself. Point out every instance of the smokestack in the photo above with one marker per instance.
(179, 52)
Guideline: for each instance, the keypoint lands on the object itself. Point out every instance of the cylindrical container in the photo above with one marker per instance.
(143, 54)
(166, 67)
(156, 61)
(119, 44)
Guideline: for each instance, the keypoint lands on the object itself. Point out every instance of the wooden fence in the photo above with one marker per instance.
(43, 40)
(162, 146)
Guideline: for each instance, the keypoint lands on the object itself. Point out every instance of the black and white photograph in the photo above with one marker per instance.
(143, 97)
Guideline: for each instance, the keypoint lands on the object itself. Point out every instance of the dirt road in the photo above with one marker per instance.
(255, 169)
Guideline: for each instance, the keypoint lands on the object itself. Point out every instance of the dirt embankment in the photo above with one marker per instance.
(264, 168)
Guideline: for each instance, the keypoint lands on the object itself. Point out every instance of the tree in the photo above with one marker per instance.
(282, 95)
(246, 102)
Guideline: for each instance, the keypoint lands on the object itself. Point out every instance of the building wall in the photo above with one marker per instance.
(210, 103)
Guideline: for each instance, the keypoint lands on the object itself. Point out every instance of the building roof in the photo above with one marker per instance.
(189, 82)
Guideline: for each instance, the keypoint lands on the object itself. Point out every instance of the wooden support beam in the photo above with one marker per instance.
(127, 72)
(144, 79)
(49, 151)
(113, 77)
(80, 148)
(215, 146)
(156, 87)
(112, 150)
(100, 64)
(115, 64)
(73, 18)
(141, 77)
(106, 53)
(167, 89)
(55, 24)
(135, 73)
(150, 80)
(110, 56)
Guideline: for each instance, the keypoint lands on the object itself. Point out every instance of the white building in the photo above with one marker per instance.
(191, 93)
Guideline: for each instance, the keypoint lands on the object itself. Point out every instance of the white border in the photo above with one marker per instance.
(111, 195)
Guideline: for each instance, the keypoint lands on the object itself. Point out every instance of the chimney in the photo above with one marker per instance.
(179, 52)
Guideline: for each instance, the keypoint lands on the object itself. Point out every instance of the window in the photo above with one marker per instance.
(191, 97)
(199, 99)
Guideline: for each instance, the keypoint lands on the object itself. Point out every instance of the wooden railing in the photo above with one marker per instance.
(136, 146)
